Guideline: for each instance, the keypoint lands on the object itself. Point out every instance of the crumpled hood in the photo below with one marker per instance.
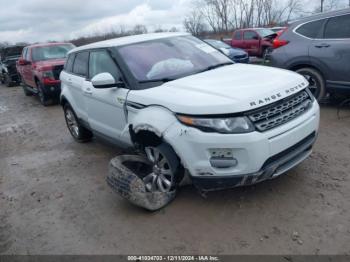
(230, 89)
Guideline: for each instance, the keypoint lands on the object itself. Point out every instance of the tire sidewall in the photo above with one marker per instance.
(321, 86)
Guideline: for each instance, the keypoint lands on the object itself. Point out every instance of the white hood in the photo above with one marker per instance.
(230, 89)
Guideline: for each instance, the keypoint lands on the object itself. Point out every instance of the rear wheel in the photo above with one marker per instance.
(165, 168)
(316, 82)
(78, 132)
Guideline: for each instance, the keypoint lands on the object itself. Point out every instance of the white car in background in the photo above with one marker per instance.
(189, 107)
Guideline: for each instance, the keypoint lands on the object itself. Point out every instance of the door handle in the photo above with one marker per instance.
(88, 91)
(323, 45)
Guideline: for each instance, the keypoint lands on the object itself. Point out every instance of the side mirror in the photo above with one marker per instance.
(23, 62)
(105, 80)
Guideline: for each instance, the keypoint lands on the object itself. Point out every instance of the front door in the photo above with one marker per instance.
(251, 42)
(105, 106)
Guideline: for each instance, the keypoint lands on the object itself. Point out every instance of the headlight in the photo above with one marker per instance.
(232, 125)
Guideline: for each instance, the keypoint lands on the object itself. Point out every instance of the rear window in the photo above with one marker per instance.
(238, 35)
(69, 64)
(312, 29)
(338, 27)
(80, 66)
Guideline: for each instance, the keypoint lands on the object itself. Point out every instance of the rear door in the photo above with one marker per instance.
(76, 82)
(237, 39)
(105, 106)
(251, 42)
(333, 50)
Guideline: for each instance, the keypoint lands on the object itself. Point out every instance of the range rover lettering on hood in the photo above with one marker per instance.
(277, 96)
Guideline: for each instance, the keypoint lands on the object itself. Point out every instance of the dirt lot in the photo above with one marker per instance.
(54, 198)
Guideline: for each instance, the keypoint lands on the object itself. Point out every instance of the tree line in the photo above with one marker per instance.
(223, 16)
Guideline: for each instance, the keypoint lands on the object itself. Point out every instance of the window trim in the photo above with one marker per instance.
(323, 28)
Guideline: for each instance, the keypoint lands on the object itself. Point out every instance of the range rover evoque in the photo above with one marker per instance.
(189, 108)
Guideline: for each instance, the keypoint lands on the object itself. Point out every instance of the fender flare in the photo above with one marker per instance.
(156, 119)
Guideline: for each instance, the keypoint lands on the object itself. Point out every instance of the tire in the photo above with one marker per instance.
(43, 98)
(125, 178)
(78, 132)
(166, 168)
(316, 81)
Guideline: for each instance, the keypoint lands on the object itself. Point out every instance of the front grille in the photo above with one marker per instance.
(281, 112)
(57, 71)
(240, 56)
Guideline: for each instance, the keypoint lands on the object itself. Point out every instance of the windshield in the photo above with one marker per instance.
(218, 44)
(265, 32)
(170, 58)
(51, 52)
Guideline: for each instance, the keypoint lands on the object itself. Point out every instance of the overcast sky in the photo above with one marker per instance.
(42, 20)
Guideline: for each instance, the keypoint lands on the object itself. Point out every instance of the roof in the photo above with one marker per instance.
(127, 40)
(47, 44)
(321, 15)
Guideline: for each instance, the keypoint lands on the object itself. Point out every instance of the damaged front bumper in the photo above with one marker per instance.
(273, 167)
(218, 161)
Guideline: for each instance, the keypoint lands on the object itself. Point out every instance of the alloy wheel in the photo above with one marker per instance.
(162, 177)
(72, 123)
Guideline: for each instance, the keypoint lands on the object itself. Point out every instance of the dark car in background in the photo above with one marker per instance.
(40, 66)
(8, 58)
(318, 47)
(235, 54)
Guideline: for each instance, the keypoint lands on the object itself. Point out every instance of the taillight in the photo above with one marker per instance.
(277, 43)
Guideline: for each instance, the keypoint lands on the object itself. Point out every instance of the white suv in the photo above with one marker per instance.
(188, 107)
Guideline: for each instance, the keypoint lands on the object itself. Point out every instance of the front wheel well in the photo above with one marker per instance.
(300, 66)
(144, 138)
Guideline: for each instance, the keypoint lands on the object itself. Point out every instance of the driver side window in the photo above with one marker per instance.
(250, 35)
(102, 62)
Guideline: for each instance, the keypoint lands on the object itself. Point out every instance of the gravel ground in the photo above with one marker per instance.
(54, 198)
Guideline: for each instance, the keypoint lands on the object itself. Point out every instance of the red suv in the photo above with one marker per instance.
(255, 41)
(40, 66)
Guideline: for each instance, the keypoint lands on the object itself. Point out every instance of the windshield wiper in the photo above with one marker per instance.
(216, 66)
(163, 80)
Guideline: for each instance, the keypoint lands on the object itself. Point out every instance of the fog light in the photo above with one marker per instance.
(52, 88)
(223, 162)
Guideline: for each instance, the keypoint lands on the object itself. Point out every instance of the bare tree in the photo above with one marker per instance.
(194, 23)
(139, 29)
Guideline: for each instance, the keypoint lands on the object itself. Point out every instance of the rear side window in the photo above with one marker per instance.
(102, 62)
(80, 66)
(69, 64)
(312, 29)
(250, 35)
(238, 35)
(338, 27)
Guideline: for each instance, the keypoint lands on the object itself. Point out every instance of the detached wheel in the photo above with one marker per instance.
(316, 81)
(44, 100)
(78, 132)
(165, 169)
